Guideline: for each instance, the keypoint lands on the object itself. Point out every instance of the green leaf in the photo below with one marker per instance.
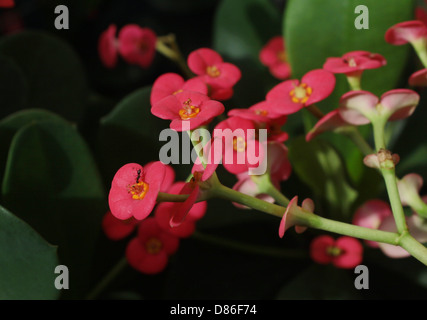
(317, 29)
(319, 165)
(241, 29)
(10, 125)
(52, 182)
(53, 72)
(27, 261)
(13, 87)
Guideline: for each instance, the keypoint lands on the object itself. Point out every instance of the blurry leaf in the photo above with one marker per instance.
(10, 125)
(13, 87)
(319, 165)
(317, 29)
(241, 29)
(52, 182)
(130, 133)
(54, 73)
(320, 283)
(27, 261)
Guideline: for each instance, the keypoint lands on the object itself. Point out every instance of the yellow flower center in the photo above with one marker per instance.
(282, 56)
(153, 245)
(177, 91)
(333, 251)
(301, 93)
(213, 71)
(188, 111)
(260, 112)
(239, 144)
(139, 190)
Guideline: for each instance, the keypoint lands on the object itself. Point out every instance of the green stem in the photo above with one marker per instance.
(354, 81)
(390, 180)
(277, 195)
(416, 249)
(354, 135)
(111, 275)
(394, 197)
(167, 46)
(307, 219)
(420, 48)
(253, 249)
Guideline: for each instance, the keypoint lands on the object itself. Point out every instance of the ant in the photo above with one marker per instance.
(138, 176)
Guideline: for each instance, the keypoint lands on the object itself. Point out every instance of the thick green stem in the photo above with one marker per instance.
(420, 48)
(277, 195)
(307, 219)
(390, 180)
(394, 197)
(416, 249)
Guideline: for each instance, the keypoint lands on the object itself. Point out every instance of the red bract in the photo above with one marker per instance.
(421, 15)
(370, 215)
(188, 110)
(288, 219)
(360, 107)
(149, 251)
(241, 150)
(137, 45)
(273, 56)
(404, 32)
(354, 62)
(180, 210)
(165, 211)
(7, 3)
(418, 78)
(292, 95)
(328, 122)
(108, 46)
(116, 229)
(134, 190)
(220, 76)
(172, 83)
(345, 252)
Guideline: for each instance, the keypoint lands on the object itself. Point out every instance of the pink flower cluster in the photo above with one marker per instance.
(133, 205)
(136, 45)
(377, 214)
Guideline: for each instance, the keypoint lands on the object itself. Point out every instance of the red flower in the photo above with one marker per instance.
(354, 62)
(264, 117)
(137, 45)
(7, 3)
(293, 95)
(219, 75)
(134, 190)
(188, 110)
(345, 252)
(108, 46)
(116, 229)
(149, 251)
(404, 32)
(172, 83)
(273, 56)
(240, 149)
(278, 167)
